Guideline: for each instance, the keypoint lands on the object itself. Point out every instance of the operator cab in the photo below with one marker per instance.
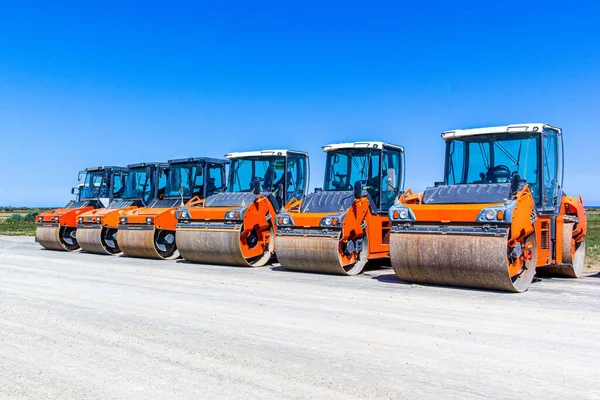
(505, 157)
(189, 177)
(377, 166)
(280, 174)
(144, 181)
(100, 186)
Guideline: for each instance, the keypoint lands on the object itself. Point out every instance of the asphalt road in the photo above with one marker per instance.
(76, 325)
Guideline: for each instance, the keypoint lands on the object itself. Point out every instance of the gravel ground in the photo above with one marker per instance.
(76, 325)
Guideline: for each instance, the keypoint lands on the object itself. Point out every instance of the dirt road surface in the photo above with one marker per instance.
(76, 325)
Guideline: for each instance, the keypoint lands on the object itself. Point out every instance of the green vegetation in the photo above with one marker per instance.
(18, 221)
(592, 240)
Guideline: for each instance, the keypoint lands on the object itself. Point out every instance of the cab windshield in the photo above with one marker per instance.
(185, 179)
(268, 171)
(139, 184)
(94, 186)
(493, 159)
(348, 166)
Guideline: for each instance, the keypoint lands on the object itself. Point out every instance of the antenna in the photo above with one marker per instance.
(181, 193)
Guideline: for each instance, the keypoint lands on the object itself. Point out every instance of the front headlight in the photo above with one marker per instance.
(81, 220)
(401, 213)
(40, 219)
(330, 221)
(183, 214)
(501, 214)
(149, 220)
(123, 220)
(284, 220)
(56, 219)
(231, 215)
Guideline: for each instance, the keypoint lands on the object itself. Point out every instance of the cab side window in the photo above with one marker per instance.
(551, 167)
(391, 173)
(119, 185)
(214, 180)
(297, 169)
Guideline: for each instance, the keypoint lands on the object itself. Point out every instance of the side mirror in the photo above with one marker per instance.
(514, 183)
(75, 191)
(357, 189)
(256, 186)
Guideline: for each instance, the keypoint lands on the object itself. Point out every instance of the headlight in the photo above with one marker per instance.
(149, 220)
(183, 214)
(40, 219)
(285, 220)
(490, 214)
(81, 220)
(401, 213)
(123, 220)
(56, 219)
(328, 221)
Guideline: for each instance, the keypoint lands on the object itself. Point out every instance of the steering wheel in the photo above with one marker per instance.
(499, 173)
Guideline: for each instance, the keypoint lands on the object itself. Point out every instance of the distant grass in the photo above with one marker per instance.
(592, 240)
(17, 228)
(18, 222)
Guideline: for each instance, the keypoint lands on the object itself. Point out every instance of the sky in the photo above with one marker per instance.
(115, 83)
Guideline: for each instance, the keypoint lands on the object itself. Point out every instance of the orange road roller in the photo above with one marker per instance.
(57, 229)
(97, 229)
(499, 214)
(238, 227)
(340, 227)
(149, 232)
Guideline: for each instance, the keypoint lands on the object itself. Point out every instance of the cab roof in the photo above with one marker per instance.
(494, 130)
(106, 168)
(361, 145)
(148, 164)
(199, 160)
(264, 153)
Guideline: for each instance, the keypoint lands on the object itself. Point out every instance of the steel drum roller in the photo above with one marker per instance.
(315, 254)
(50, 237)
(143, 243)
(91, 240)
(457, 260)
(572, 266)
(216, 246)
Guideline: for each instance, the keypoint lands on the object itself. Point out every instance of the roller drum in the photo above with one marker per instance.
(315, 254)
(91, 240)
(211, 246)
(457, 260)
(572, 263)
(143, 243)
(51, 237)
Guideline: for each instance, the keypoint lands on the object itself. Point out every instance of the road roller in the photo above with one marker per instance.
(237, 227)
(57, 229)
(340, 227)
(97, 229)
(149, 232)
(499, 216)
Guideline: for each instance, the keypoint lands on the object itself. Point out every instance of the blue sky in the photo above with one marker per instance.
(117, 83)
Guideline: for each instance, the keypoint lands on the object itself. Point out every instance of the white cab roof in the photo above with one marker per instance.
(360, 145)
(262, 153)
(492, 130)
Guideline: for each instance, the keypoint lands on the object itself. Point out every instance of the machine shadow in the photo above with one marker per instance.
(393, 279)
